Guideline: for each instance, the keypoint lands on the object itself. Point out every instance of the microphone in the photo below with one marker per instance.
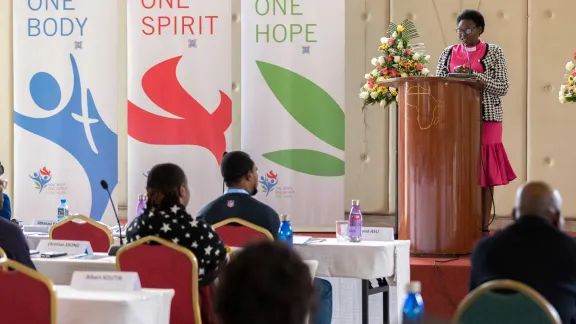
(468, 57)
(114, 248)
(223, 182)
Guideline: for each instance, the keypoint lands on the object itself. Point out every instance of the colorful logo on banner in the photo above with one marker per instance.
(42, 179)
(76, 127)
(268, 182)
(314, 109)
(196, 126)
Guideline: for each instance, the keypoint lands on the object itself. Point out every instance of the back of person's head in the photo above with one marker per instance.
(265, 283)
(167, 186)
(539, 199)
(238, 170)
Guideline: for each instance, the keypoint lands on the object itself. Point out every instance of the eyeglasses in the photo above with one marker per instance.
(467, 31)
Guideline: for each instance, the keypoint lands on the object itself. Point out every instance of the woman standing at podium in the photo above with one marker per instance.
(487, 63)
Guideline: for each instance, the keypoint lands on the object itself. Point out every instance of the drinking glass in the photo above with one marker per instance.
(342, 231)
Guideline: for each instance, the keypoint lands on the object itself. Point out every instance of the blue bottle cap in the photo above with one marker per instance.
(62, 201)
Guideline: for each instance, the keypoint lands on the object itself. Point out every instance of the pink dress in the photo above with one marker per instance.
(495, 169)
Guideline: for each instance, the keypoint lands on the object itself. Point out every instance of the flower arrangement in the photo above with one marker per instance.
(398, 58)
(568, 89)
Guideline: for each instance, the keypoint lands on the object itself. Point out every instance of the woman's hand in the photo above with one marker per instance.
(461, 69)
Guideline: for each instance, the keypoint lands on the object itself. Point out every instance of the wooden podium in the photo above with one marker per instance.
(438, 164)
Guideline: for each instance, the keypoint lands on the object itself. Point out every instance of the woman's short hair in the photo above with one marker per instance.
(473, 15)
(265, 283)
(163, 185)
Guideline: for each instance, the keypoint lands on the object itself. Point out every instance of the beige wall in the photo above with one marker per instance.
(539, 133)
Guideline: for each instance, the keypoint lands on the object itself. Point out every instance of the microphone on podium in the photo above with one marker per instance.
(114, 248)
(468, 57)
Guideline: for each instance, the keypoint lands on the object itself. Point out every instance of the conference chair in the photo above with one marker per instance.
(165, 265)
(82, 228)
(2, 254)
(505, 302)
(26, 296)
(237, 232)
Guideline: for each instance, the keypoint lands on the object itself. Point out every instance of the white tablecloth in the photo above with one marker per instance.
(147, 306)
(355, 261)
(60, 270)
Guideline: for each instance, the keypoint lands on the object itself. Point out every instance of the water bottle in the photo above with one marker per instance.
(413, 311)
(355, 222)
(285, 233)
(62, 210)
(141, 205)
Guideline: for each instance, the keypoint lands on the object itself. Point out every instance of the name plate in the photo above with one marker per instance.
(380, 234)
(37, 228)
(106, 281)
(45, 222)
(69, 247)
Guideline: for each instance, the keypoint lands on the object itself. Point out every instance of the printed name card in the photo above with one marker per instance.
(380, 234)
(68, 247)
(106, 281)
(44, 222)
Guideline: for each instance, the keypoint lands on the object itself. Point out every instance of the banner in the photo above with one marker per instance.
(65, 92)
(179, 83)
(292, 106)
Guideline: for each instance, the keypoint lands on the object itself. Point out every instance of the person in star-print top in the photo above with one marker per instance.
(165, 216)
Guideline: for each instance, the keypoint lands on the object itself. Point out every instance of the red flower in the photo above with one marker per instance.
(388, 58)
(44, 171)
(391, 41)
(385, 70)
(408, 51)
(271, 175)
(420, 66)
(574, 73)
(393, 73)
(575, 55)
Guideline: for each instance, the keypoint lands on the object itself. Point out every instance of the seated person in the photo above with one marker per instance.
(241, 177)
(265, 271)
(533, 250)
(5, 207)
(165, 216)
(14, 244)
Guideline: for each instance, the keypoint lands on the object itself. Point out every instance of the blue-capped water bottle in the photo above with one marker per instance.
(285, 233)
(413, 311)
(355, 222)
(62, 210)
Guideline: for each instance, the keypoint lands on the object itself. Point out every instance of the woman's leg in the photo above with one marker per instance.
(487, 193)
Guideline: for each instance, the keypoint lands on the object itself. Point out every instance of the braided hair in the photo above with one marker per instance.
(163, 186)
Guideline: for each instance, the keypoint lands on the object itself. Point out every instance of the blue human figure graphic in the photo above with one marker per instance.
(78, 129)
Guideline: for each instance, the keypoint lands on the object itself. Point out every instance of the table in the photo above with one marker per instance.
(364, 262)
(60, 270)
(147, 306)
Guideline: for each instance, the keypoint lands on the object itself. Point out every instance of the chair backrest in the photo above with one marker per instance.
(163, 264)
(237, 232)
(505, 301)
(26, 296)
(82, 228)
(2, 254)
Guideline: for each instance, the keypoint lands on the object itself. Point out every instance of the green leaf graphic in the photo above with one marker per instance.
(308, 161)
(310, 105)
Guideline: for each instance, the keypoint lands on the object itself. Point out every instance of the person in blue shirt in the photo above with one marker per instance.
(5, 206)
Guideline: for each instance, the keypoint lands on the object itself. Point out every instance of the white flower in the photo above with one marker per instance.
(425, 71)
(403, 75)
(366, 87)
(569, 66)
(562, 89)
(400, 45)
(394, 34)
(396, 59)
(381, 60)
(384, 40)
(374, 61)
(392, 89)
(375, 72)
(364, 95)
(380, 79)
(427, 58)
(416, 56)
(562, 99)
(382, 103)
(397, 98)
(374, 94)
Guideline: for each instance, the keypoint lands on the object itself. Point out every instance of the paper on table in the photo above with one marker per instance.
(297, 239)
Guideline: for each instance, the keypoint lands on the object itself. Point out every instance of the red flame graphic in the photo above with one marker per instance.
(197, 126)
(44, 171)
(271, 175)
